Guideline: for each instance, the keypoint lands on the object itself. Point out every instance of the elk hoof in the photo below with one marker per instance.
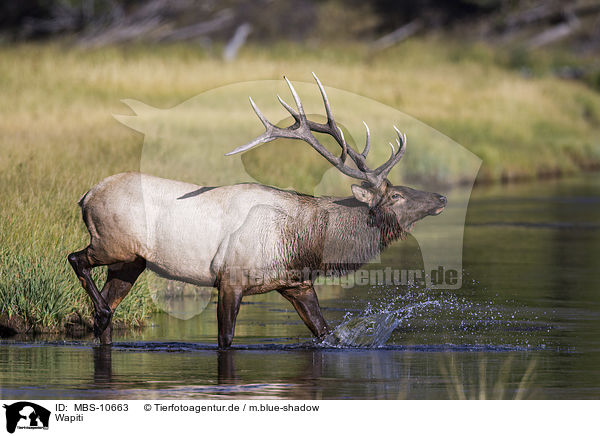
(102, 320)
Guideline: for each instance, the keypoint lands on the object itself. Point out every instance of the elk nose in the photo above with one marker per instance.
(442, 199)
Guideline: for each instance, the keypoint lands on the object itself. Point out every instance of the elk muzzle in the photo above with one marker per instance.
(442, 201)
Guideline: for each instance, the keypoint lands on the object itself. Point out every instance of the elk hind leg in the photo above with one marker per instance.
(120, 280)
(305, 301)
(81, 263)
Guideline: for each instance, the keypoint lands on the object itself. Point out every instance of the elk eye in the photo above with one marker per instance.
(396, 196)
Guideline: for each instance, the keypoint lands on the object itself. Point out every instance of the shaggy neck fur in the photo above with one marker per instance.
(339, 235)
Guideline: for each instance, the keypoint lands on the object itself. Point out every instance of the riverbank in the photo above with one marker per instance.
(59, 137)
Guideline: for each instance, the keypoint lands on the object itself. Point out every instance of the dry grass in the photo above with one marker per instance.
(58, 136)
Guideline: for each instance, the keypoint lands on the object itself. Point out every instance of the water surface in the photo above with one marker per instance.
(525, 324)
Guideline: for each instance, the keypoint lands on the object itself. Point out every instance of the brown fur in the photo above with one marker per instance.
(348, 226)
(283, 238)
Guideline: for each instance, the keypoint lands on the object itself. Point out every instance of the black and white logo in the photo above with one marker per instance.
(26, 415)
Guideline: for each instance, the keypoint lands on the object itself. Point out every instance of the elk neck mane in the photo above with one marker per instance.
(336, 234)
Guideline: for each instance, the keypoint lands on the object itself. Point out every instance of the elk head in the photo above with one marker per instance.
(389, 205)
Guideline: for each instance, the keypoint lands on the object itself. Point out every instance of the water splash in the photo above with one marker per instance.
(436, 317)
(374, 326)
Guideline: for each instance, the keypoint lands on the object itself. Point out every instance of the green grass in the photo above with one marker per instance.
(58, 137)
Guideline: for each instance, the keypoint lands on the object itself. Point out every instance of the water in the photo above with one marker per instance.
(525, 324)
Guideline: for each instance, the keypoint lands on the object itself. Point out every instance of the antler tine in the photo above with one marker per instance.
(296, 99)
(258, 140)
(331, 127)
(400, 135)
(384, 169)
(358, 159)
(367, 142)
(330, 119)
(259, 114)
(289, 108)
(344, 146)
(265, 137)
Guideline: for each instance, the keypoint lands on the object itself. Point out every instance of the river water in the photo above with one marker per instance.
(525, 324)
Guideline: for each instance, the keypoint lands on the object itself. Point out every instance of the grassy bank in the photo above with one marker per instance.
(58, 137)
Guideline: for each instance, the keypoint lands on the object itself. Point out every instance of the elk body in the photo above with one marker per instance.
(248, 238)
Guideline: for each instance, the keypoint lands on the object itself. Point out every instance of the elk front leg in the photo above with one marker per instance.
(304, 299)
(82, 266)
(228, 306)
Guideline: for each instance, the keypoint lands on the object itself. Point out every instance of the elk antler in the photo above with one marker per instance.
(303, 127)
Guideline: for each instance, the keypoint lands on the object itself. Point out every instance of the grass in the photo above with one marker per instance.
(58, 136)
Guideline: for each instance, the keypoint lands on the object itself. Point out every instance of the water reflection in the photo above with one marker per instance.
(525, 324)
(138, 370)
(102, 365)
(192, 370)
(226, 367)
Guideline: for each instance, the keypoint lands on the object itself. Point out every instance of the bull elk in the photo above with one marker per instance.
(206, 235)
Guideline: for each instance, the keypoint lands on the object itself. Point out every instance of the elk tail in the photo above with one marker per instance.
(82, 199)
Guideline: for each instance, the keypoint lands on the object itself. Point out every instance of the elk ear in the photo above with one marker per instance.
(364, 195)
